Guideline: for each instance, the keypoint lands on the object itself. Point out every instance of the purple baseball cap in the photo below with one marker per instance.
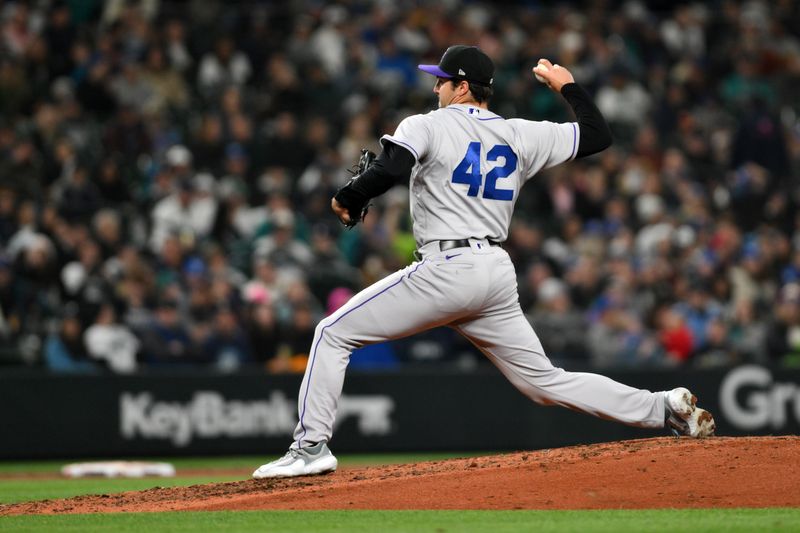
(466, 62)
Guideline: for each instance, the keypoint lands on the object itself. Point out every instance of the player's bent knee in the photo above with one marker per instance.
(328, 334)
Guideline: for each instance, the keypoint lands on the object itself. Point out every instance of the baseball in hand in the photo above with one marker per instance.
(541, 68)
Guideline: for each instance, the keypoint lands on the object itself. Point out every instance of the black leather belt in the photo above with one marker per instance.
(460, 243)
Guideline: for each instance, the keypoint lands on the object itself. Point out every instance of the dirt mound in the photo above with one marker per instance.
(648, 473)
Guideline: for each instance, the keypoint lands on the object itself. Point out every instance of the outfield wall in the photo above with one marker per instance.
(180, 414)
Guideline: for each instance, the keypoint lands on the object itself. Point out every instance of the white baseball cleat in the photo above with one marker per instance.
(307, 461)
(683, 416)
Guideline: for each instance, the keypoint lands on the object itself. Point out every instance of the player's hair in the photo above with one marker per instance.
(481, 93)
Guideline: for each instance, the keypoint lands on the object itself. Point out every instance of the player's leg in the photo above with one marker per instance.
(406, 302)
(508, 340)
(506, 337)
(410, 300)
(391, 308)
(435, 291)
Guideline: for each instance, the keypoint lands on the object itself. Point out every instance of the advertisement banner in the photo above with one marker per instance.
(129, 416)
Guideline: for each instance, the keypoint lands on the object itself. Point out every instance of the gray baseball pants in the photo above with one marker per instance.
(473, 290)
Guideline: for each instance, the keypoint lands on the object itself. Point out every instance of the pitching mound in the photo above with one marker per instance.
(648, 473)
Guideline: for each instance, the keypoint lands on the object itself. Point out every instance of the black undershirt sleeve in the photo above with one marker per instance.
(393, 166)
(595, 134)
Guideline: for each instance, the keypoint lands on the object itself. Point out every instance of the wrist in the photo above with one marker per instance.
(348, 195)
(568, 87)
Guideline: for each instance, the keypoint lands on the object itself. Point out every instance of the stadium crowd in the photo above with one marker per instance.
(167, 169)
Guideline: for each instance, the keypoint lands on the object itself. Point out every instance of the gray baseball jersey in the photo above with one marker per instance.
(470, 166)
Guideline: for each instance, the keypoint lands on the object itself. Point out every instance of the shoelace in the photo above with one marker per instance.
(292, 453)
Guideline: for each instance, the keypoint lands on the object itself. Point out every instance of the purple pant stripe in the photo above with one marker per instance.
(417, 267)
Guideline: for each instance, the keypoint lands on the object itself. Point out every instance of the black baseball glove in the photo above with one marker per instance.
(356, 203)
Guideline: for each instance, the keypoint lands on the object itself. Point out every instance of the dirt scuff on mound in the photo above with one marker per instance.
(647, 473)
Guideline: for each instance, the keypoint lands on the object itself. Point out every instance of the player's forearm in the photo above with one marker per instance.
(595, 133)
(394, 165)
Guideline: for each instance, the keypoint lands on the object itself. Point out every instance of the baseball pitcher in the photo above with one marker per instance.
(465, 166)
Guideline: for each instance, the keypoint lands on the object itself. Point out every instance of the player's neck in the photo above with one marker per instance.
(469, 101)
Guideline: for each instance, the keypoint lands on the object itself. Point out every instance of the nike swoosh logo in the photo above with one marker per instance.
(449, 257)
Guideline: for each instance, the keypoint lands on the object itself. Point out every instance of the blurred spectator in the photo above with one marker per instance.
(111, 184)
(617, 337)
(36, 270)
(328, 41)
(111, 342)
(188, 213)
(127, 135)
(717, 350)
(698, 311)
(623, 102)
(78, 199)
(331, 270)
(59, 34)
(296, 337)
(748, 334)
(683, 34)
(83, 280)
(107, 228)
(281, 247)
(132, 91)
(65, 351)
(560, 327)
(209, 145)
(175, 45)
(284, 147)
(17, 29)
(8, 207)
(10, 319)
(22, 171)
(168, 88)
(284, 86)
(358, 136)
(263, 332)
(675, 336)
(784, 334)
(165, 341)
(92, 78)
(224, 65)
(228, 347)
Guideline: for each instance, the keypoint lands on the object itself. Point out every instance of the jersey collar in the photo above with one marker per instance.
(474, 111)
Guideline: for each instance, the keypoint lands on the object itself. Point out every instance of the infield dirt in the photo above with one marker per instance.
(638, 474)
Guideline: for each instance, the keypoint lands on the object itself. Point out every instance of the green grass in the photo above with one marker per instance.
(241, 461)
(24, 490)
(694, 521)
(27, 489)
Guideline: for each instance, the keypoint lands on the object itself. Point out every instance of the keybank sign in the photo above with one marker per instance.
(209, 415)
(751, 399)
